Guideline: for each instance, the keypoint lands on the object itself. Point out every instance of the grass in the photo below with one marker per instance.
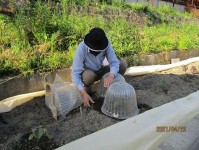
(39, 38)
(167, 37)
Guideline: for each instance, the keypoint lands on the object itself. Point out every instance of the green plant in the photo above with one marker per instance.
(124, 37)
(168, 10)
(39, 132)
(164, 86)
(141, 7)
(186, 77)
(167, 37)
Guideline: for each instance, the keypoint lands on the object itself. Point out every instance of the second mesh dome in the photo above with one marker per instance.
(120, 101)
(61, 97)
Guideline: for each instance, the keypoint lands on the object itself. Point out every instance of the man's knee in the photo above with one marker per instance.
(88, 77)
(123, 67)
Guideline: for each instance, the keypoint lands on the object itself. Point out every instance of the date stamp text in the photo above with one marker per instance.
(171, 129)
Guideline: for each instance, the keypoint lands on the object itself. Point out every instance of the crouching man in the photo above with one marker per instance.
(88, 64)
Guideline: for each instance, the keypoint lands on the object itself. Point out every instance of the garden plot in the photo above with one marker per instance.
(152, 90)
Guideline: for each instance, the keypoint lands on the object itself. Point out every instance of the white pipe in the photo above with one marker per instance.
(139, 132)
(141, 70)
(10, 103)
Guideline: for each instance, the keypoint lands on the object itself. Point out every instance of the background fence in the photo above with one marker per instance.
(177, 4)
(180, 5)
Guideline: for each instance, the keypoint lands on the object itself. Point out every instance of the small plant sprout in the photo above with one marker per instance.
(164, 86)
(39, 132)
(193, 69)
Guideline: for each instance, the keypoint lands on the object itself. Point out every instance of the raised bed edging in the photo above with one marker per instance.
(32, 83)
(163, 57)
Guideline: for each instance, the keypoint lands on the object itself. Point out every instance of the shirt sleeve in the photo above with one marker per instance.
(113, 60)
(77, 68)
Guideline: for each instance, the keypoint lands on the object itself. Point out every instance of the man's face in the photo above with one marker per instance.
(95, 53)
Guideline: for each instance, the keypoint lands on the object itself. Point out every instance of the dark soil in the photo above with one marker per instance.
(44, 143)
(152, 90)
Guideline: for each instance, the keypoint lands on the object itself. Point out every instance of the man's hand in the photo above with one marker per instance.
(108, 80)
(86, 98)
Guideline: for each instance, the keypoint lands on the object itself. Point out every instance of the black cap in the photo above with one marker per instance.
(96, 39)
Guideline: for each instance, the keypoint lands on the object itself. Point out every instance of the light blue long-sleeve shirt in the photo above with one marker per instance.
(85, 60)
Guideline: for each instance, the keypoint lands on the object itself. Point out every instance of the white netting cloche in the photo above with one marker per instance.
(101, 90)
(61, 97)
(120, 101)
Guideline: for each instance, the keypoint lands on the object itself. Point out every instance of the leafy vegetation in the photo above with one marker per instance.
(164, 86)
(39, 132)
(43, 37)
(167, 37)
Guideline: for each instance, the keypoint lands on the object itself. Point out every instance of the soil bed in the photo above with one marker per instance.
(152, 90)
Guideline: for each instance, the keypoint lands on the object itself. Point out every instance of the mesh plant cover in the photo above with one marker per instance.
(61, 97)
(101, 90)
(120, 101)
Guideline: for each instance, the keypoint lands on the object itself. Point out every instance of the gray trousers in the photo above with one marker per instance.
(90, 76)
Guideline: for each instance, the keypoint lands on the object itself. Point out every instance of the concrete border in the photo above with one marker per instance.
(33, 83)
(163, 57)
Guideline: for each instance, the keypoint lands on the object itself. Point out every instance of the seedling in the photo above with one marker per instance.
(164, 86)
(186, 77)
(39, 132)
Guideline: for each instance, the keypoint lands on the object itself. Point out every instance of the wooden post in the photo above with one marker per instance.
(152, 2)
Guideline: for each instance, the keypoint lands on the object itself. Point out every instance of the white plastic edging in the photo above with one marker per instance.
(139, 132)
(141, 70)
(10, 103)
